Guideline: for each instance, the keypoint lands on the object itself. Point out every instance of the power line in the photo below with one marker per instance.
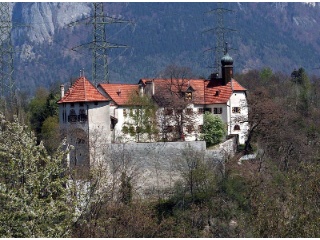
(100, 45)
(220, 32)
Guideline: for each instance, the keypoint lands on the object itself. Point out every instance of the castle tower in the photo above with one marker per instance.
(84, 118)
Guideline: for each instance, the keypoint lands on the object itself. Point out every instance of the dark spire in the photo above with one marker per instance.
(226, 59)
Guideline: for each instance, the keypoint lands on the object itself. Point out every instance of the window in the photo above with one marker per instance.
(207, 110)
(179, 111)
(81, 104)
(200, 110)
(72, 116)
(169, 129)
(138, 129)
(236, 110)
(188, 96)
(124, 112)
(82, 116)
(236, 128)
(189, 128)
(95, 103)
(189, 111)
(168, 111)
(80, 141)
(217, 110)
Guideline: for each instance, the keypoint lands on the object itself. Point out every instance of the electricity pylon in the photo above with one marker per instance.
(99, 45)
(220, 31)
(7, 83)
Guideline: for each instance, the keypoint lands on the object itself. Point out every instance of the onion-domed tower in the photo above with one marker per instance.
(226, 66)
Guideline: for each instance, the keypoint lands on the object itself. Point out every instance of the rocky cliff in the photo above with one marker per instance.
(282, 36)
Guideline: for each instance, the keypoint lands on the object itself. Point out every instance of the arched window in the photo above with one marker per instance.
(236, 128)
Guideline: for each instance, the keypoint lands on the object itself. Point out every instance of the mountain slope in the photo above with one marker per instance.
(282, 36)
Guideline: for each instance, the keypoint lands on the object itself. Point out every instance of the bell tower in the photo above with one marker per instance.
(226, 66)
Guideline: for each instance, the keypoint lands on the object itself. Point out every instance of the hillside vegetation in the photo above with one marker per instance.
(276, 195)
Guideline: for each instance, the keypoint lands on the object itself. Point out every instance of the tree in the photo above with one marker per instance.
(302, 90)
(142, 119)
(213, 129)
(50, 133)
(35, 200)
(198, 176)
(172, 97)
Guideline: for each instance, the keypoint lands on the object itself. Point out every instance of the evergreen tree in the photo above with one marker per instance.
(34, 198)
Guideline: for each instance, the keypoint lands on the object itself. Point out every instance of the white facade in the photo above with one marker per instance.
(84, 124)
(234, 114)
(238, 115)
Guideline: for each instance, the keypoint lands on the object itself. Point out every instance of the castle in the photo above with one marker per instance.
(90, 114)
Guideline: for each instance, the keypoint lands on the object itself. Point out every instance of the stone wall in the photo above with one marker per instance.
(155, 167)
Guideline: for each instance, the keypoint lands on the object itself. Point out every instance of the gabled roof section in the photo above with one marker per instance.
(82, 91)
(236, 86)
(120, 93)
(205, 91)
(216, 93)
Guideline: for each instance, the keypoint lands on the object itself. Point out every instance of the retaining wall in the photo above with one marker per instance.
(155, 167)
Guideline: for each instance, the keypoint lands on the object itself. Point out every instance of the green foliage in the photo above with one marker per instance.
(50, 133)
(266, 74)
(142, 117)
(37, 109)
(33, 195)
(43, 110)
(213, 129)
(42, 106)
(236, 188)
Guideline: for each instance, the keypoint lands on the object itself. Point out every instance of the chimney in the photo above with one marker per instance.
(141, 89)
(214, 76)
(62, 90)
(153, 87)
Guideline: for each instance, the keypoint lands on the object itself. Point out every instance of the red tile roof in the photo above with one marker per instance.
(206, 91)
(82, 91)
(237, 87)
(120, 93)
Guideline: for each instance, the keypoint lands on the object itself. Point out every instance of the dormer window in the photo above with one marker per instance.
(188, 96)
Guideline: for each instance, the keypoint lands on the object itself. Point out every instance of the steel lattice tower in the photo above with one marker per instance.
(99, 44)
(220, 31)
(99, 48)
(7, 83)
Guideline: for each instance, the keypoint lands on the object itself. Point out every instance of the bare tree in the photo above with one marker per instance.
(174, 97)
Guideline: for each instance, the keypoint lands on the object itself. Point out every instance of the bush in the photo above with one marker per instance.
(214, 129)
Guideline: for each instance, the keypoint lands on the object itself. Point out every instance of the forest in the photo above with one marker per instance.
(275, 195)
